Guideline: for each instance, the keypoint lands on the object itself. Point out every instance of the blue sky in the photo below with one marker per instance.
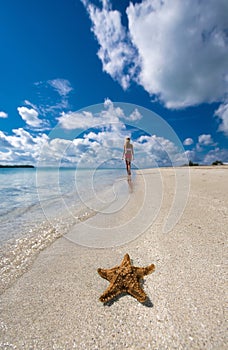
(60, 57)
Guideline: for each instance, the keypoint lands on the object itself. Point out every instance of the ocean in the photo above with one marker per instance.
(39, 205)
(32, 196)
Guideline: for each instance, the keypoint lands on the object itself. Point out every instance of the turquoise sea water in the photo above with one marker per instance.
(38, 206)
(30, 197)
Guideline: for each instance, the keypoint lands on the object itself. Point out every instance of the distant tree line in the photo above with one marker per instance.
(192, 164)
(217, 162)
(16, 166)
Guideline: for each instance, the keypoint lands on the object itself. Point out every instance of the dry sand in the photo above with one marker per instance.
(55, 305)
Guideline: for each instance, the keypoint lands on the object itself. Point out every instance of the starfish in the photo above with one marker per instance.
(125, 278)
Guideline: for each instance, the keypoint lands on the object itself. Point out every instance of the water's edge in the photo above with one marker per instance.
(18, 254)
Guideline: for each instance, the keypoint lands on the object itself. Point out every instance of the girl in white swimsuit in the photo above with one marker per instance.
(128, 154)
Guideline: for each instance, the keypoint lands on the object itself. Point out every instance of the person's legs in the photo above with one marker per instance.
(128, 167)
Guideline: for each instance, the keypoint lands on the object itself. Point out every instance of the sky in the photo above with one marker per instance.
(78, 76)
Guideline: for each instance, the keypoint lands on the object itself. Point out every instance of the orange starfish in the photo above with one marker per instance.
(125, 278)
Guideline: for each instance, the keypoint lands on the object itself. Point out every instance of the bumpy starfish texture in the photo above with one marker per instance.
(125, 278)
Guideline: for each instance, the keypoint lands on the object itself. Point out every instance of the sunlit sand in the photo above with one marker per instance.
(56, 303)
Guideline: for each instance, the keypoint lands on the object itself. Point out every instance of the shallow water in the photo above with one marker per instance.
(39, 205)
(31, 196)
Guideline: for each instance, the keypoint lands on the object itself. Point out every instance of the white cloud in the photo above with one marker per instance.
(188, 141)
(30, 116)
(116, 51)
(30, 104)
(176, 51)
(74, 120)
(222, 113)
(96, 148)
(206, 151)
(110, 116)
(55, 151)
(135, 115)
(101, 144)
(191, 155)
(4, 143)
(183, 49)
(92, 149)
(205, 140)
(23, 140)
(3, 114)
(216, 154)
(85, 119)
(21, 147)
(62, 86)
(104, 143)
(6, 157)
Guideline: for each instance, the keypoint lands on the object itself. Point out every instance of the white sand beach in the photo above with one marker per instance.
(55, 304)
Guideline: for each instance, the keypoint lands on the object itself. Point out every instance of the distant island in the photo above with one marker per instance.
(16, 166)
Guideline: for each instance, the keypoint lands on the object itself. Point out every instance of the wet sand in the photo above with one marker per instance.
(55, 305)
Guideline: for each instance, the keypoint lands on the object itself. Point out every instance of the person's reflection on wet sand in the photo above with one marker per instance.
(130, 183)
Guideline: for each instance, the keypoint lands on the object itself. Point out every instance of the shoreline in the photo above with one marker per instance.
(55, 303)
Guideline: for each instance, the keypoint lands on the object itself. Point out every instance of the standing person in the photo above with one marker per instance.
(128, 154)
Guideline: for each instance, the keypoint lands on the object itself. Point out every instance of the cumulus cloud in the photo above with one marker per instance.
(191, 155)
(74, 120)
(30, 116)
(189, 141)
(183, 49)
(111, 115)
(216, 154)
(135, 115)
(222, 113)
(158, 151)
(94, 148)
(101, 140)
(21, 147)
(116, 52)
(4, 143)
(205, 140)
(86, 119)
(176, 51)
(103, 137)
(3, 114)
(206, 151)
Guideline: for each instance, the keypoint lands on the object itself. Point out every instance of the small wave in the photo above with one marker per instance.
(18, 254)
(17, 212)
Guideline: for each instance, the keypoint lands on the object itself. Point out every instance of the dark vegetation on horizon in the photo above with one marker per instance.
(192, 164)
(16, 166)
(217, 162)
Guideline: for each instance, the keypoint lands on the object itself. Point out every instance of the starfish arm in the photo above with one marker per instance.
(126, 260)
(108, 274)
(111, 292)
(137, 292)
(143, 271)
